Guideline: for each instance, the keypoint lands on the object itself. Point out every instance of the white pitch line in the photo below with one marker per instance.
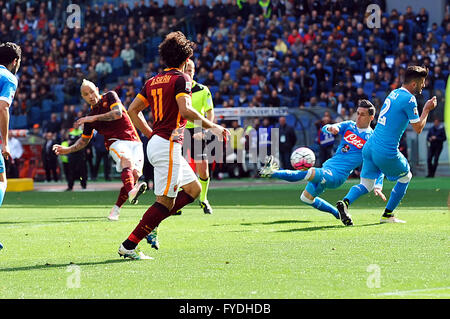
(407, 292)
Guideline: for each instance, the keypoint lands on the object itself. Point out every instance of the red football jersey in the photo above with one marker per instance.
(120, 129)
(160, 93)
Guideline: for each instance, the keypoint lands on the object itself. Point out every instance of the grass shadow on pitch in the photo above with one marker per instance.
(316, 228)
(276, 222)
(57, 220)
(49, 266)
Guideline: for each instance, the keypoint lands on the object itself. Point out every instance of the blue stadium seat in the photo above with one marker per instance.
(368, 87)
(440, 85)
(381, 95)
(35, 115)
(218, 75)
(235, 65)
(20, 122)
(47, 105)
(213, 89)
(117, 66)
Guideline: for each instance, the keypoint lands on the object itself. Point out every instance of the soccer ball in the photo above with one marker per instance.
(303, 158)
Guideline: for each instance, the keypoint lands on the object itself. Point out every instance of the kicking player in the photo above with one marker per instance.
(336, 170)
(381, 152)
(169, 96)
(10, 57)
(109, 118)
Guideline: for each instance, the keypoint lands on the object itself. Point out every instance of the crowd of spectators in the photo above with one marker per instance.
(292, 53)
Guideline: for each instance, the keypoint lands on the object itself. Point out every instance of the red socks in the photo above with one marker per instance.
(182, 200)
(127, 179)
(123, 196)
(152, 217)
(155, 215)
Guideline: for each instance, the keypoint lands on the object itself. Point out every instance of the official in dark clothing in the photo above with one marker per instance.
(287, 142)
(101, 154)
(49, 158)
(436, 138)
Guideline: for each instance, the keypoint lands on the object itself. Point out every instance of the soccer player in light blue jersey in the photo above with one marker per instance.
(10, 56)
(336, 170)
(381, 154)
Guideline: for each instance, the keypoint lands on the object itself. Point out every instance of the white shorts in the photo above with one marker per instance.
(132, 150)
(171, 170)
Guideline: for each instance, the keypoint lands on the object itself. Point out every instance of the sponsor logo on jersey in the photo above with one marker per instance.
(354, 139)
(188, 86)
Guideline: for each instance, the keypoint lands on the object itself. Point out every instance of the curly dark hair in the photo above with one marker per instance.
(175, 49)
(8, 52)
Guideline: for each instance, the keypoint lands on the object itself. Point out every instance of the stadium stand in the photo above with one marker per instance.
(117, 48)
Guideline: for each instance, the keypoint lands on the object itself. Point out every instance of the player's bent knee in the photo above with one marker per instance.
(305, 199)
(405, 179)
(369, 184)
(193, 189)
(125, 163)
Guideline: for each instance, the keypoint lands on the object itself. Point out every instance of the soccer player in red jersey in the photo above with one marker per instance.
(169, 96)
(109, 118)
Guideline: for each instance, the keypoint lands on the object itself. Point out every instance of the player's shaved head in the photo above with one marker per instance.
(88, 83)
(89, 92)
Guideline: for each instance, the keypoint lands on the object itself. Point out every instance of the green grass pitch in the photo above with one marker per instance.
(261, 242)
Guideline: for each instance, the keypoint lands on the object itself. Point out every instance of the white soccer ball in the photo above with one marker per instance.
(303, 158)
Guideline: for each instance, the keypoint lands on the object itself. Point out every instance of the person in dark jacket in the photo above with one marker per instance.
(101, 154)
(287, 142)
(77, 161)
(436, 138)
(49, 159)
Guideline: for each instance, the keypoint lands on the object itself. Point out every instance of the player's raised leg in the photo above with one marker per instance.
(319, 203)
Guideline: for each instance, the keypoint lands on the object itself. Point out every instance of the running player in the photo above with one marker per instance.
(381, 152)
(169, 96)
(109, 118)
(10, 57)
(336, 170)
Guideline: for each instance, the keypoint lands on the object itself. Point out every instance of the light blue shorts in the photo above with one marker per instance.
(393, 165)
(325, 178)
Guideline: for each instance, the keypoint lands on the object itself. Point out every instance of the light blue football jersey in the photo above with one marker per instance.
(399, 108)
(8, 85)
(348, 155)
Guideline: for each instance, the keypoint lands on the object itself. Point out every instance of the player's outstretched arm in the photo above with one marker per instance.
(79, 145)
(331, 128)
(4, 124)
(429, 106)
(114, 114)
(189, 113)
(136, 116)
